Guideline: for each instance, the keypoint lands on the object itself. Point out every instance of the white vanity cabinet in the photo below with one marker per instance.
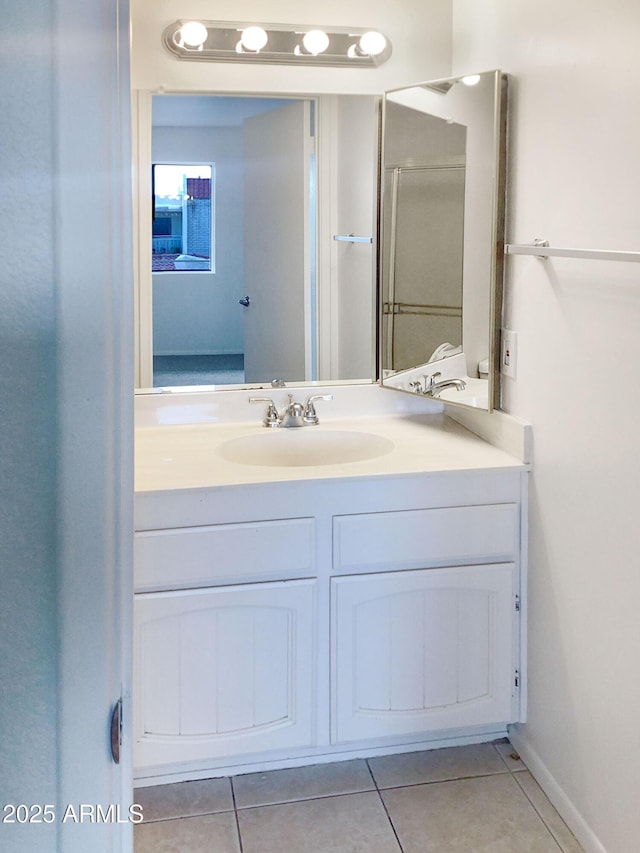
(424, 649)
(294, 621)
(223, 665)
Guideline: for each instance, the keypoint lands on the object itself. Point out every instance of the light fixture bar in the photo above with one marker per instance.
(284, 45)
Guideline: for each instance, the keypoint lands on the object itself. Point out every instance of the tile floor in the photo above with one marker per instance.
(468, 799)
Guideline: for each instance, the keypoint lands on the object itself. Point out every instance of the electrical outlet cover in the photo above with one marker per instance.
(509, 353)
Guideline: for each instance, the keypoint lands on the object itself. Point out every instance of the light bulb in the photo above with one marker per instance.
(315, 41)
(193, 34)
(471, 80)
(254, 38)
(372, 43)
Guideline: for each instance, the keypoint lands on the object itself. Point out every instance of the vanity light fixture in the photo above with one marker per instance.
(226, 41)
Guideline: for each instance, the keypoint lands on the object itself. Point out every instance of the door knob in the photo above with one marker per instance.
(245, 301)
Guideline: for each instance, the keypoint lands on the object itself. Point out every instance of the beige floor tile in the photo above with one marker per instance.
(547, 812)
(353, 823)
(217, 833)
(484, 815)
(436, 765)
(509, 755)
(183, 799)
(302, 783)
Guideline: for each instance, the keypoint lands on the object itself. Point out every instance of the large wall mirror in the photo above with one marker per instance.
(441, 253)
(241, 278)
(274, 295)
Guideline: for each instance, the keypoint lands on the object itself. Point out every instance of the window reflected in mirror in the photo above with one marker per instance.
(182, 213)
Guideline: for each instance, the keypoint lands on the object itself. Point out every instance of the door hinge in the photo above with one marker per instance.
(115, 731)
(516, 679)
(517, 603)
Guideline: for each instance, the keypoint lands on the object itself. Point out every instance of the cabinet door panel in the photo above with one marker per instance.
(236, 669)
(373, 657)
(194, 644)
(476, 653)
(406, 637)
(162, 654)
(223, 671)
(421, 650)
(439, 647)
(272, 662)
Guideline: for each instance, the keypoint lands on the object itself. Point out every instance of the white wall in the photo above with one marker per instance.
(198, 313)
(574, 179)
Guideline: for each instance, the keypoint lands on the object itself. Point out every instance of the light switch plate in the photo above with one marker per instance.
(509, 353)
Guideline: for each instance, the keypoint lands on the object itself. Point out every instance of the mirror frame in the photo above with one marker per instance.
(498, 204)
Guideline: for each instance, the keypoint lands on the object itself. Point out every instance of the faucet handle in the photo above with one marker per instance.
(310, 416)
(272, 418)
(430, 382)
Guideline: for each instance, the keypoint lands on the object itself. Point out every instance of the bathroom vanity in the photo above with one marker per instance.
(354, 587)
(289, 613)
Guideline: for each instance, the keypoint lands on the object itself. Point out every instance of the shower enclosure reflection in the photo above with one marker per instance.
(442, 236)
(423, 189)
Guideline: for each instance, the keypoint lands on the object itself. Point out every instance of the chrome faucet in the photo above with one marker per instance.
(433, 388)
(294, 414)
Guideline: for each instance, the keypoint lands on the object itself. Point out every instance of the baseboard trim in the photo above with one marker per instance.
(163, 354)
(556, 794)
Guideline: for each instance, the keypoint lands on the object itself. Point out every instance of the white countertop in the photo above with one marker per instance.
(184, 456)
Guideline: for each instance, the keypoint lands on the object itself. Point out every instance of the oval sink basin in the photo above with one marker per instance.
(304, 446)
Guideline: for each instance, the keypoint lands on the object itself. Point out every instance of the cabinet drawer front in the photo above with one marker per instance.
(415, 538)
(201, 556)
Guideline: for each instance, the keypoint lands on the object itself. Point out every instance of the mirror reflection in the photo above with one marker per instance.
(247, 283)
(442, 240)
